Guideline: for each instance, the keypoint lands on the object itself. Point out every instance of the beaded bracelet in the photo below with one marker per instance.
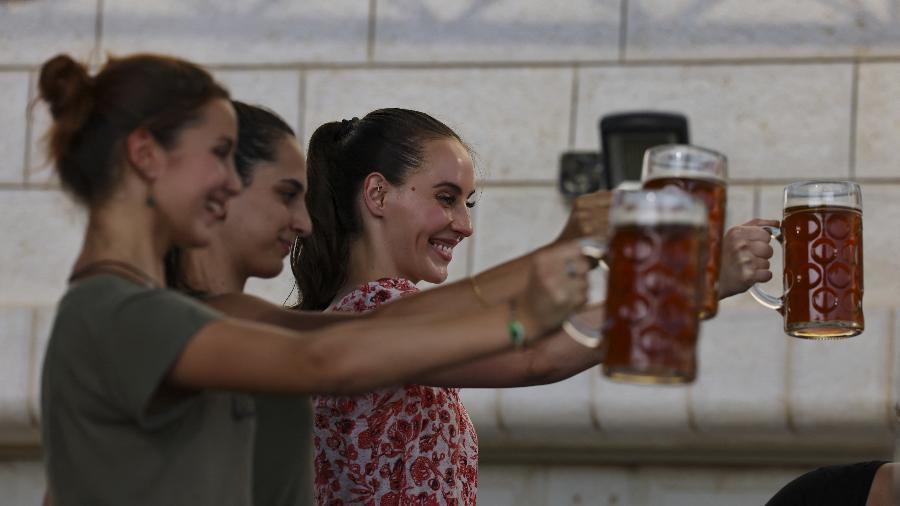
(515, 328)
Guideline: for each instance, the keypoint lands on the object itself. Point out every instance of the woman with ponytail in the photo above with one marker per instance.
(144, 389)
(390, 197)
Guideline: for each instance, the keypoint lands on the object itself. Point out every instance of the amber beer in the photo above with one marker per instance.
(712, 193)
(821, 233)
(654, 291)
(700, 172)
(823, 275)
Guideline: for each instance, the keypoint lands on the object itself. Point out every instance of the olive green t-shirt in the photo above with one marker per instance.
(283, 453)
(112, 436)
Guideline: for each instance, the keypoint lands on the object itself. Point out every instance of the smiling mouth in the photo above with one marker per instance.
(216, 208)
(444, 250)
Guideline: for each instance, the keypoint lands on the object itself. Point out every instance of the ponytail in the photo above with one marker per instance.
(319, 260)
(341, 155)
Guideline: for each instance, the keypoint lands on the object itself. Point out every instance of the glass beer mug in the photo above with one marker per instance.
(656, 254)
(700, 172)
(821, 235)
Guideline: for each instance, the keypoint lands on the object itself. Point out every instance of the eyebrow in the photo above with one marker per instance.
(455, 187)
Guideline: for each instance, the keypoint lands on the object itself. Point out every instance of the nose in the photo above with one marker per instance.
(462, 222)
(301, 223)
(233, 184)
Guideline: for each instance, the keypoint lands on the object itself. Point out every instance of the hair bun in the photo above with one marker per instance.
(65, 85)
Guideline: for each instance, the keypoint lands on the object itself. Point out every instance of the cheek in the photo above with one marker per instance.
(434, 220)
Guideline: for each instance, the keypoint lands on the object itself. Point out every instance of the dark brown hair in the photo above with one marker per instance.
(259, 132)
(341, 155)
(93, 115)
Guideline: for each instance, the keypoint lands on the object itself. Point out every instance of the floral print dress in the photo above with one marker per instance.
(411, 444)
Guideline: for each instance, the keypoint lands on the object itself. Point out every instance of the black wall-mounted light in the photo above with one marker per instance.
(623, 139)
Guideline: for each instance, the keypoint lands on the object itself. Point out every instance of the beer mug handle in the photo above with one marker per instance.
(769, 301)
(578, 331)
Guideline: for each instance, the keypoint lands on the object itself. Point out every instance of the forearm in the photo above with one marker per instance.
(494, 285)
(363, 354)
(411, 346)
(345, 358)
(553, 359)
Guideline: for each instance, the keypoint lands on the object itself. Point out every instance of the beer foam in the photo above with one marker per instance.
(683, 173)
(683, 160)
(821, 193)
(670, 206)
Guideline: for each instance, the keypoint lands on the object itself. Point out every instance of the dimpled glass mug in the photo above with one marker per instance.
(700, 172)
(656, 257)
(821, 234)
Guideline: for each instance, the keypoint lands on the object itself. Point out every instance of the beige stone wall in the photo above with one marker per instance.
(788, 90)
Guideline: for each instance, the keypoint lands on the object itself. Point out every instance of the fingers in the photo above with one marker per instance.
(762, 276)
(596, 200)
(591, 212)
(760, 249)
(562, 272)
(748, 233)
(746, 251)
(759, 264)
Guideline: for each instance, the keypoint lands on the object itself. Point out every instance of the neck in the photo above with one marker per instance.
(212, 271)
(369, 261)
(120, 230)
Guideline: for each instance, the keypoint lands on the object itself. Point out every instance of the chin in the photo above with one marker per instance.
(269, 270)
(197, 238)
(435, 278)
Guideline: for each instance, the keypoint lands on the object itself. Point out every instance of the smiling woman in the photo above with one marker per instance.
(144, 389)
(262, 222)
(390, 196)
(367, 192)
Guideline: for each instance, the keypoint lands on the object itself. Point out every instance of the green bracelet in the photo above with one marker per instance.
(515, 328)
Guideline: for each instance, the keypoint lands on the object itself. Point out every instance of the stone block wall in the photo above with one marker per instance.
(788, 90)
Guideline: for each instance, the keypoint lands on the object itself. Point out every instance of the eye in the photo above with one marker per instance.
(471, 203)
(446, 199)
(222, 152)
(288, 196)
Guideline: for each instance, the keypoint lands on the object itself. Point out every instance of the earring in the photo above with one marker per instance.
(149, 201)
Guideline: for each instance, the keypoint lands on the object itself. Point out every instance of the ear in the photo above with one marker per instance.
(375, 186)
(144, 154)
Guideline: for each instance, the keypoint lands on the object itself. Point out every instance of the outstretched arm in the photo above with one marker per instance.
(360, 355)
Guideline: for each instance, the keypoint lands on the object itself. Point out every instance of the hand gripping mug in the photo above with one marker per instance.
(700, 172)
(655, 256)
(821, 235)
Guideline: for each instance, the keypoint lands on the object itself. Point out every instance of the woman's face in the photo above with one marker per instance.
(265, 220)
(428, 216)
(198, 177)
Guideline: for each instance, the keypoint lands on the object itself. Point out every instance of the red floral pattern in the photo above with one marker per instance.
(396, 446)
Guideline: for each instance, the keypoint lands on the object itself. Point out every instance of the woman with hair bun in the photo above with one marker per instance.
(141, 385)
